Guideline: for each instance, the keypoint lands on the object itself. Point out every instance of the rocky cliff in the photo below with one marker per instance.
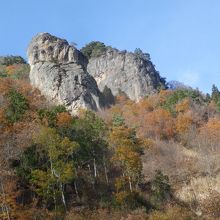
(124, 71)
(58, 70)
(64, 75)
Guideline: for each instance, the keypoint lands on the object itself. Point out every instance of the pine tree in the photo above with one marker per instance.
(215, 94)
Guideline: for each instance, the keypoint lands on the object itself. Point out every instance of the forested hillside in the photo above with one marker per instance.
(153, 159)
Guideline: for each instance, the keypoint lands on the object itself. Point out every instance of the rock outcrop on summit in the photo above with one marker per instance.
(58, 70)
(64, 75)
(127, 72)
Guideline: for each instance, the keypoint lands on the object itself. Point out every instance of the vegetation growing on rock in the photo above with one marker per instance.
(14, 67)
(94, 49)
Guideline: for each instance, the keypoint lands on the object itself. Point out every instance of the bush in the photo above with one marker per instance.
(178, 96)
(10, 60)
(29, 160)
(3, 72)
(129, 200)
(118, 120)
(139, 54)
(17, 106)
(16, 71)
(94, 49)
(160, 188)
(50, 116)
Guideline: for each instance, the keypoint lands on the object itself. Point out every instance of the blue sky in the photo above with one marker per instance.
(182, 36)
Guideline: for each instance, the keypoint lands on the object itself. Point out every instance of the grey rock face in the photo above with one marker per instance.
(45, 47)
(126, 72)
(64, 75)
(58, 70)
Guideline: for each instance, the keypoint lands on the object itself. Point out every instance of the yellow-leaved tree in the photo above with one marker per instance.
(51, 179)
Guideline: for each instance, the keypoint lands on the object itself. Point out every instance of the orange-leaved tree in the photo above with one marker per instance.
(158, 124)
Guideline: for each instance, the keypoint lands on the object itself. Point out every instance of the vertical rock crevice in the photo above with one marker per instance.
(124, 71)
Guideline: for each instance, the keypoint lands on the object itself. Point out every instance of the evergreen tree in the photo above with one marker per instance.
(215, 93)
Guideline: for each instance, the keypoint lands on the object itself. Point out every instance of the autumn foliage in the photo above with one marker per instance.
(129, 156)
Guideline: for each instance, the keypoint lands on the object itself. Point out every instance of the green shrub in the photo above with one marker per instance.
(178, 96)
(94, 49)
(3, 72)
(50, 115)
(140, 54)
(118, 120)
(10, 60)
(129, 200)
(160, 188)
(30, 159)
(18, 71)
(17, 106)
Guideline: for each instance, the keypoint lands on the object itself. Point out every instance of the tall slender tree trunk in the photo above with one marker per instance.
(55, 202)
(95, 168)
(75, 185)
(90, 172)
(130, 185)
(76, 190)
(106, 173)
(63, 197)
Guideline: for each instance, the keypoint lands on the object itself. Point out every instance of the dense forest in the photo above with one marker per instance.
(129, 161)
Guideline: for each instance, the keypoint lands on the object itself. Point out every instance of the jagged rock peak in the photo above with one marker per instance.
(46, 47)
(132, 73)
(58, 70)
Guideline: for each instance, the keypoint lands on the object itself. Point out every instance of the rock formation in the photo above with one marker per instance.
(64, 75)
(127, 72)
(58, 70)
